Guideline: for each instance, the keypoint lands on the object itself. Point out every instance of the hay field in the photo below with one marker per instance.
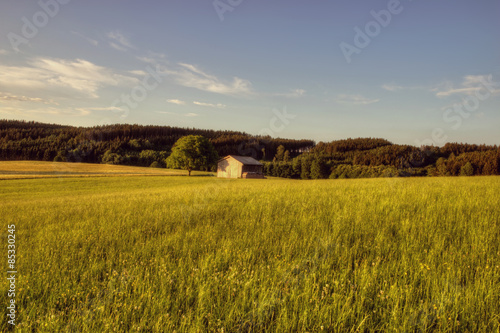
(201, 254)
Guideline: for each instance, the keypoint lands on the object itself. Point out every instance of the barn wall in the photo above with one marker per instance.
(232, 168)
(229, 168)
(223, 169)
(239, 167)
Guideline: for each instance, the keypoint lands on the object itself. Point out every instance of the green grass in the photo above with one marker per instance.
(200, 254)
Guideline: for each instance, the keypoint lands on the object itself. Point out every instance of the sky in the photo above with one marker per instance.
(411, 71)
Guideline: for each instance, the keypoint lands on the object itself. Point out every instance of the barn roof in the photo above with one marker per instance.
(245, 160)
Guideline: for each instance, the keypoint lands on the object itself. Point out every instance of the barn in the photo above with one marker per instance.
(233, 166)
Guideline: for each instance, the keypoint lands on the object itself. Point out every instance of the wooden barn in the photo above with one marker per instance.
(233, 166)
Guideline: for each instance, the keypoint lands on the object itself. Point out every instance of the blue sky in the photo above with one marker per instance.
(412, 72)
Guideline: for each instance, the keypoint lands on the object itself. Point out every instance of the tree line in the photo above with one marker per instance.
(367, 158)
(300, 159)
(126, 144)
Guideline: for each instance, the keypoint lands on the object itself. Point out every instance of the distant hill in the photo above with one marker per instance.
(149, 145)
(125, 144)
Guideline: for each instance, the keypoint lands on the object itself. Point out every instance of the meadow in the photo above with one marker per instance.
(200, 254)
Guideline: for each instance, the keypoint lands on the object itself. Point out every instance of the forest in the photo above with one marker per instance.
(140, 145)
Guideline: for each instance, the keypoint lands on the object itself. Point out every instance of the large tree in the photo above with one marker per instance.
(192, 152)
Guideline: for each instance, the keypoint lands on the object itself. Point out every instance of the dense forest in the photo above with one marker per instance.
(151, 145)
(366, 158)
(126, 144)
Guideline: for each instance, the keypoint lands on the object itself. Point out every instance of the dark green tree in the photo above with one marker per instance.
(467, 170)
(280, 153)
(286, 156)
(192, 152)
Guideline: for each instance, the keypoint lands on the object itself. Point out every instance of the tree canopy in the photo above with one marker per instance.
(192, 152)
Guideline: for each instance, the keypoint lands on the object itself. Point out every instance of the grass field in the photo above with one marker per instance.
(201, 254)
(31, 170)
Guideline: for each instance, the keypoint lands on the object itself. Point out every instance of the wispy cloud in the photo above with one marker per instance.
(6, 97)
(59, 75)
(45, 111)
(470, 85)
(154, 58)
(355, 99)
(106, 108)
(295, 93)
(176, 101)
(191, 76)
(165, 112)
(119, 41)
(90, 40)
(392, 87)
(138, 72)
(190, 114)
(395, 87)
(219, 106)
(2, 51)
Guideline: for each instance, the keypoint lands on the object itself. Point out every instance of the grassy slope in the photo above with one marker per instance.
(202, 254)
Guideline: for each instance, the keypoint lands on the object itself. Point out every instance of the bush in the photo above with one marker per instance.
(59, 158)
(155, 164)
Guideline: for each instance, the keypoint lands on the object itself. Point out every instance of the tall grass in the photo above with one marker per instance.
(197, 254)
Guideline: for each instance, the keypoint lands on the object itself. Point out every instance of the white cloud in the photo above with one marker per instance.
(392, 87)
(6, 97)
(295, 93)
(2, 51)
(449, 92)
(154, 58)
(118, 47)
(355, 99)
(190, 76)
(106, 108)
(220, 106)
(165, 112)
(90, 40)
(471, 84)
(138, 72)
(176, 101)
(46, 111)
(119, 41)
(179, 114)
(60, 75)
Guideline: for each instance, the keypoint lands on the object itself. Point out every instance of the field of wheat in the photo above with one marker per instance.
(201, 254)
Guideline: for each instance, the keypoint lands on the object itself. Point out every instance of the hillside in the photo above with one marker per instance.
(139, 145)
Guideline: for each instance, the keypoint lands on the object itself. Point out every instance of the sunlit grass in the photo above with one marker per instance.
(197, 254)
(37, 169)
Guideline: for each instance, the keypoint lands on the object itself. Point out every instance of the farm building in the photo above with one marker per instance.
(233, 166)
